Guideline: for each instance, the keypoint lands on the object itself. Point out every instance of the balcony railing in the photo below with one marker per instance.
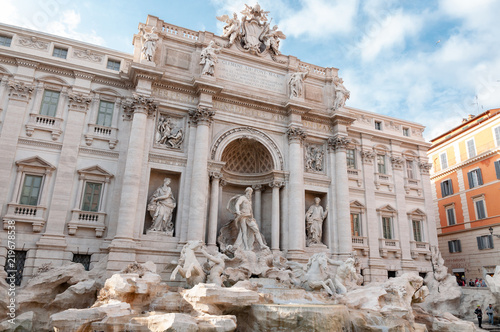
(108, 134)
(34, 215)
(87, 219)
(361, 243)
(389, 245)
(46, 123)
(420, 248)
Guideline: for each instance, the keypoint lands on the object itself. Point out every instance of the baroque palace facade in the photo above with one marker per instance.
(466, 182)
(88, 135)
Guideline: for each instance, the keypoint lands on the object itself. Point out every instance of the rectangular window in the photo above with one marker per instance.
(351, 158)
(406, 132)
(446, 188)
(91, 196)
(31, 189)
(497, 135)
(5, 41)
(16, 268)
(387, 227)
(50, 100)
(378, 125)
(450, 215)
(454, 246)
(82, 259)
(497, 168)
(409, 169)
(417, 230)
(113, 65)
(485, 242)
(356, 224)
(475, 178)
(444, 160)
(60, 52)
(381, 163)
(105, 114)
(480, 208)
(471, 148)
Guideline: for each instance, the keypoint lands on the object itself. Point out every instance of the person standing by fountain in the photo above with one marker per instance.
(490, 312)
(479, 313)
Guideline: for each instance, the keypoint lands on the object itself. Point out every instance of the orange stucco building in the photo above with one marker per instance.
(466, 190)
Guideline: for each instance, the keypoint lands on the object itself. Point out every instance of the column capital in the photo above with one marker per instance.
(424, 167)
(276, 184)
(140, 104)
(296, 134)
(215, 175)
(338, 142)
(367, 156)
(201, 115)
(79, 102)
(256, 187)
(397, 162)
(20, 91)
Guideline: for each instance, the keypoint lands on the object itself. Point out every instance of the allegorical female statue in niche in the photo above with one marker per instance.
(314, 221)
(161, 206)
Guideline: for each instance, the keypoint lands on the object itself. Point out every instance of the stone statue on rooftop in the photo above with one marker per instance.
(232, 29)
(271, 38)
(150, 38)
(209, 59)
(341, 94)
(296, 84)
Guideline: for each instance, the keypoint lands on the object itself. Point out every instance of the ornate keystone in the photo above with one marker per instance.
(296, 134)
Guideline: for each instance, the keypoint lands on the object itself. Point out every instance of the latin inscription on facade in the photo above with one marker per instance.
(243, 74)
(173, 95)
(237, 109)
(316, 126)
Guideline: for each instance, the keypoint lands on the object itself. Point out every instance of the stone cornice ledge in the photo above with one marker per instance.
(205, 86)
(296, 108)
(343, 118)
(138, 71)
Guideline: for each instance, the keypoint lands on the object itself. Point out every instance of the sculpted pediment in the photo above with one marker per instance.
(35, 161)
(95, 170)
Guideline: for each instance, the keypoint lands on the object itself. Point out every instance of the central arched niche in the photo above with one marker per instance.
(247, 163)
(247, 156)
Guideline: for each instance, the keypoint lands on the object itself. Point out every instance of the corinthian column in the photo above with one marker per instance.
(296, 200)
(140, 107)
(275, 216)
(214, 209)
(257, 207)
(199, 178)
(339, 144)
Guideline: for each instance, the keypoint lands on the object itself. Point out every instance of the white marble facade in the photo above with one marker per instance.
(78, 171)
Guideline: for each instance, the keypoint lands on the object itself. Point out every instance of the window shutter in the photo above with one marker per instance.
(479, 176)
(480, 243)
(450, 186)
(497, 168)
(450, 246)
(443, 193)
(490, 239)
(459, 245)
(471, 182)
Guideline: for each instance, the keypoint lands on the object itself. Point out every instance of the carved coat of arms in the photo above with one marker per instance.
(252, 33)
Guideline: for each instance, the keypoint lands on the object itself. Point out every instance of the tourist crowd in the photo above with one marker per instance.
(479, 282)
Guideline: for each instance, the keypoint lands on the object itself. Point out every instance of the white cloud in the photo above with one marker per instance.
(48, 17)
(388, 33)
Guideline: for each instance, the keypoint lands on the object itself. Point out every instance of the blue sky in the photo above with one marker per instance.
(433, 62)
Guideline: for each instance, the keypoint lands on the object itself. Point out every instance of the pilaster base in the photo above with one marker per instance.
(122, 252)
(297, 256)
(376, 271)
(316, 248)
(408, 265)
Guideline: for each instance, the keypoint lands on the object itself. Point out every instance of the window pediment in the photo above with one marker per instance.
(35, 163)
(387, 209)
(95, 172)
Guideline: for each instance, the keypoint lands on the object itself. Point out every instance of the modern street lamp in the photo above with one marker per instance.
(491, 232)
